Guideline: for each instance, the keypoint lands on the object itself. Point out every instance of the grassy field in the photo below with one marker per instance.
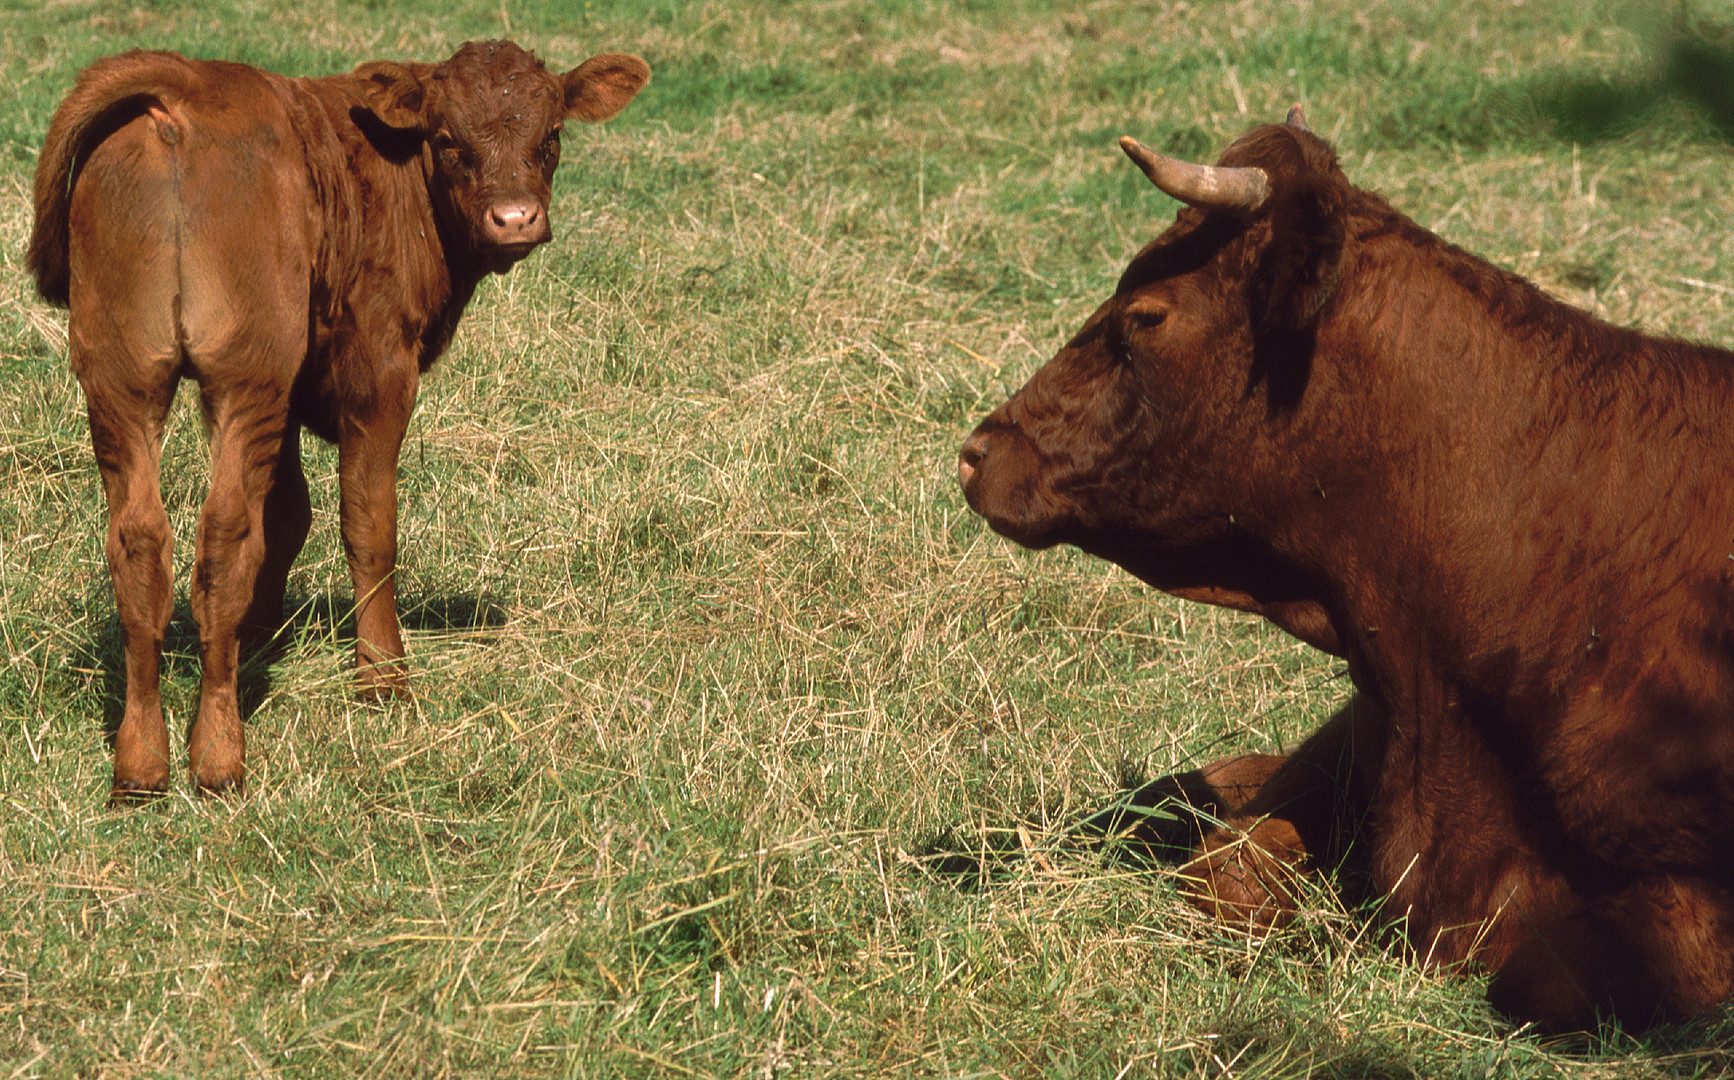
(708, 647)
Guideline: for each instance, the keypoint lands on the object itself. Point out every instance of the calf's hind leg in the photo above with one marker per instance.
(128, 444)
(248, 421)
(125, 351)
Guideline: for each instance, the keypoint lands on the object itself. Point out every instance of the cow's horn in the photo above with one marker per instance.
(1240, 191)
(1296, 118)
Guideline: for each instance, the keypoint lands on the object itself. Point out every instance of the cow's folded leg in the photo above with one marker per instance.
(1250, 872)
(1659, 950)
(367, 476)
(1299, 817)
(1168, 817)
(247, 425)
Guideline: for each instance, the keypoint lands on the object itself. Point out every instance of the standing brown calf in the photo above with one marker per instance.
(303, 250)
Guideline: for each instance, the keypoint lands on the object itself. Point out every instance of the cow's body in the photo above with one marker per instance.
(303, 250)
(1516, 524)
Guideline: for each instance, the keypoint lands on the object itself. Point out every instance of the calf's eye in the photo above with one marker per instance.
(451, 155)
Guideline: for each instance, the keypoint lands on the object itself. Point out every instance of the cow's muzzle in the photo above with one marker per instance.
(516, 227)
(969, 459)
(999, 472)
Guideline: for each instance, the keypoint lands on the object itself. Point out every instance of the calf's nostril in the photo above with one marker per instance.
(514, 219)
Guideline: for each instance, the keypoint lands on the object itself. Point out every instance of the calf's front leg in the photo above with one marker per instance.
(367, 467)
(288, 516)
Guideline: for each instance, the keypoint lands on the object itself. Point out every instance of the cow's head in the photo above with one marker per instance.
(1158, 423)
(490, 120)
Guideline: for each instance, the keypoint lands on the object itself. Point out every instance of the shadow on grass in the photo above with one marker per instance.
(1148, 824)
(322, 617)
(1695, 69)
(1687, 93)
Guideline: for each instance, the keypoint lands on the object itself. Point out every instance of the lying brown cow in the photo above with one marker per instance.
(303, 249)
(1515, 523)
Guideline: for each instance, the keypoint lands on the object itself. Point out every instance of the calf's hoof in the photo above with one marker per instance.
(221, 787)
(383, 682)
(133, 791)
(218, 767)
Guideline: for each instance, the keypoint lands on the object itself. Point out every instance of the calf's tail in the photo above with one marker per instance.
(107, 95)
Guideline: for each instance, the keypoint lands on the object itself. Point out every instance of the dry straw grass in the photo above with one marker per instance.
(708, 646)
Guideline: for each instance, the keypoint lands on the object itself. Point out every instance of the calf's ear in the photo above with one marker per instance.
(601, 86)
(394, 94)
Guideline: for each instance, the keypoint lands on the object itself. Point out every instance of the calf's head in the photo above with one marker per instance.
(490, 120)
(1161, 420)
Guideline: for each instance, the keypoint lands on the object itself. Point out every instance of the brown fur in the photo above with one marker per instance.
(302, 249)
(1511, 519)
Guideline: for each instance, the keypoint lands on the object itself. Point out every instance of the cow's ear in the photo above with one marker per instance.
(394, 94)
(601, 86)
(1297, 274)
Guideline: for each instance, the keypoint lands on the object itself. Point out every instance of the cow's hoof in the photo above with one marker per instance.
(1251, 879)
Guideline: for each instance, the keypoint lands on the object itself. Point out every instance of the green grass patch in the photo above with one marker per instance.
(708, 646)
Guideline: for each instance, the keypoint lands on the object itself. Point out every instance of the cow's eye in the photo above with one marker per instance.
(450, 153)
(1125, 330)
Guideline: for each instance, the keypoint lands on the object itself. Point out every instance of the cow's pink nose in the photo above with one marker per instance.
(517, 223)
(969, 458)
